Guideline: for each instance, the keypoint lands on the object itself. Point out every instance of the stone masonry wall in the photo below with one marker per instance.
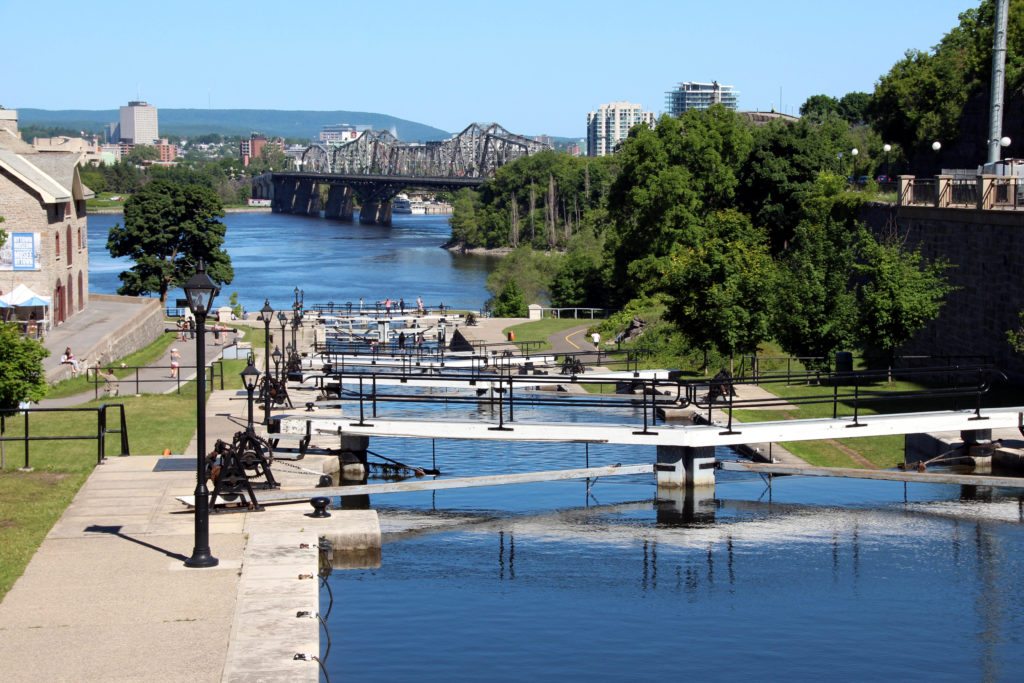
(145, 326)
(986, 249)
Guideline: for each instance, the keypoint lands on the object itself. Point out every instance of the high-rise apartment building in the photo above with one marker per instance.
(610, 124)
(693, 95)
(139, 124)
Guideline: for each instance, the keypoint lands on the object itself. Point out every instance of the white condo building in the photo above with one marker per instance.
(694, 95)
(610, 124)
(139, 124)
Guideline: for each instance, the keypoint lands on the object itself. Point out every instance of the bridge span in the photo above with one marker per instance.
(376, 166)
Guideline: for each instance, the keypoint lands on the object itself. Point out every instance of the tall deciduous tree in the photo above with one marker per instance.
(900, 293)
(168, 227)
(720, 285)
(814, 308)
(21, 368)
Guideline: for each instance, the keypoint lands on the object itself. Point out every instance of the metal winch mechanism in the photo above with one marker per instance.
(234, 467)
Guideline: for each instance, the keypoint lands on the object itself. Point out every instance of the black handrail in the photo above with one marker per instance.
(93, 376)
(102, 429)
(851, 389)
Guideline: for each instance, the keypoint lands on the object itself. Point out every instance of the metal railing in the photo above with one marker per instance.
(853, 390)
(963, 192)
(110, 381)
(100, 436)
(349, 308)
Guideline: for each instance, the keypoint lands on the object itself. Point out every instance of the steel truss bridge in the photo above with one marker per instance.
(377, 166)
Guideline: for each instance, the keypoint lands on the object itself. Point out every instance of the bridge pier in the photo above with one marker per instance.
(685, 467)
(295, 196)
(375, 212)
(339, 203)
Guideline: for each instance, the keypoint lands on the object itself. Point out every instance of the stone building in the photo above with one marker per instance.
(42, 200)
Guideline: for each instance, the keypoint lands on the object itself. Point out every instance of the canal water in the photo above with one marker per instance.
(606, 580)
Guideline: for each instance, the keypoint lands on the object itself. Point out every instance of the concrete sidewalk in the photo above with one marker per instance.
(107, 598)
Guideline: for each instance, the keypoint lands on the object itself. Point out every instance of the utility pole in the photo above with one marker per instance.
(995, 126)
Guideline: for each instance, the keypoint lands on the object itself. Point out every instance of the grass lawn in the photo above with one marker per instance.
(144, 356)
(31, 502)
(876, 451)
(104, 200)
(540, 330)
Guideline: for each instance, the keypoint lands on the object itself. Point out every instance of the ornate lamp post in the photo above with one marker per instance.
(250, 376)
(266, 315)
(283, 319)
(277, 361)
(200, 291)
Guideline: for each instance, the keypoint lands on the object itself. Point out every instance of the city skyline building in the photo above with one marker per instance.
(139, 124)
(610, 125)
(699, 96)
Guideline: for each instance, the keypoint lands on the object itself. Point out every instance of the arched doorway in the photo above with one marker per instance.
(81, 293)
(71, 298)
(58, 303)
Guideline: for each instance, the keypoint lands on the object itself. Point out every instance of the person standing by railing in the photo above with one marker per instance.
(175, 363)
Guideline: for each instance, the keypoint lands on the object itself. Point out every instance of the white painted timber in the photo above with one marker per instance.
(696, 435)
(882, 475)
(438, 484)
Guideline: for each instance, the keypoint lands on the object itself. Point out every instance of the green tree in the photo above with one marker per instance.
(510, 302)
(531, 269)
(167, 229)
(819, 106)
(1016, 337)
(465, 221)
(923, 97)
(853, 107)
(900, 293)
(814, 309)
(720, 286)
(3, 233)
(141, 153)
(784, 167)
(21, 368)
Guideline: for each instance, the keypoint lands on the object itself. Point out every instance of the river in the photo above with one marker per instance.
(573, 581)
(273, 253)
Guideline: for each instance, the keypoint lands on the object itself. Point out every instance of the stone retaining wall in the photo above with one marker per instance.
(986, 250)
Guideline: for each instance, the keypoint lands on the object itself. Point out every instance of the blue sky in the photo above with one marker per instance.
(533, 66)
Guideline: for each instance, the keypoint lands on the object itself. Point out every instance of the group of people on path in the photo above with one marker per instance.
(388, 304)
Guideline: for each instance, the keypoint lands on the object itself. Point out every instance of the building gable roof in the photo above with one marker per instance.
(49, 190)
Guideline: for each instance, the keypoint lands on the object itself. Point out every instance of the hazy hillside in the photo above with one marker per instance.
(186, 122)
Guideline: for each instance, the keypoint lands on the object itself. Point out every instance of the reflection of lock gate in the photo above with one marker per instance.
(233, 467)
(276, 390)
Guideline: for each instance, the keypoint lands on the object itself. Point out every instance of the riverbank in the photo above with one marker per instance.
(233, 209)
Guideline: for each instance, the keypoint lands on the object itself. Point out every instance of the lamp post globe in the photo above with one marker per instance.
(267, 316)
(1004, 141)
(936, 146)
(887, 148)
(200, 291)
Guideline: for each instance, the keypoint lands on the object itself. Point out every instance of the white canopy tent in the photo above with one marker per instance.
(23, 297)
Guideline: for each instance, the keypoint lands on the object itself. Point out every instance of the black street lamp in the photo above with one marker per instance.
(277, 360)
(200, 291)
(283, 319)
(250, 376)
(266, 315)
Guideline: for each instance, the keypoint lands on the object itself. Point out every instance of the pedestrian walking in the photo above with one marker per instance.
(419, 305)
(387, 307)
(401, 341)
(175, 363)
(401, 306)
